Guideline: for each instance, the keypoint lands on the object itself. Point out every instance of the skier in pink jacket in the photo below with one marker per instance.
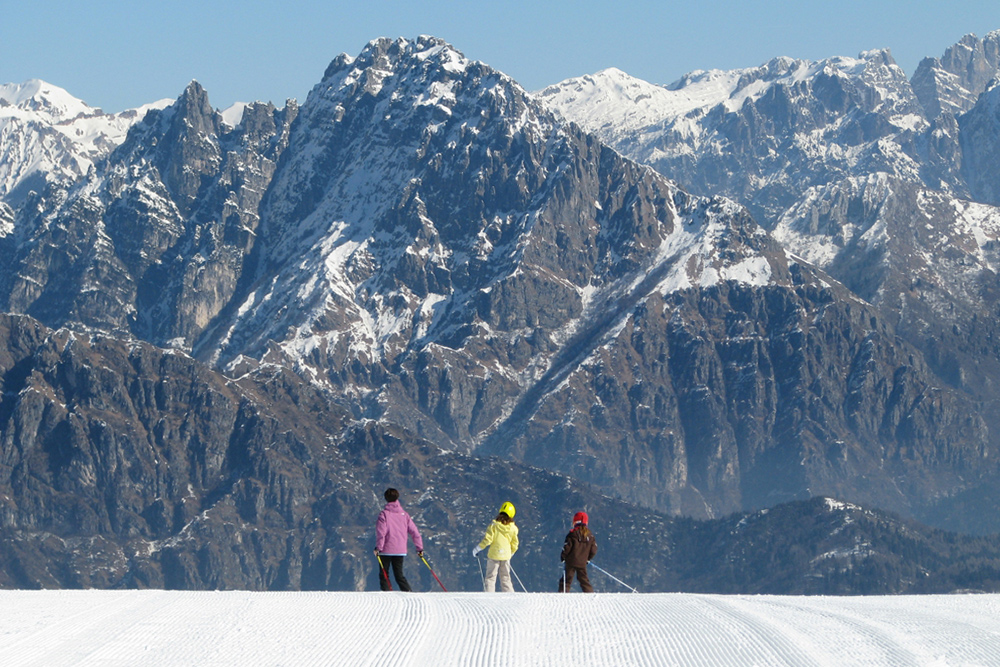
(391, 529)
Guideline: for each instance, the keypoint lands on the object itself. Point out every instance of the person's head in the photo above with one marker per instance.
(581, 517)
(506, 514)
(391, 495)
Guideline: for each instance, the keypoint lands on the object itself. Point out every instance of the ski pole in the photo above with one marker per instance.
(481, 573)
(432, 572)
(600, 569)
(516, 577)
(384, 573)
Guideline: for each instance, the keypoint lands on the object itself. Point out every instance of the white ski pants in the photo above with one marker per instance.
(492, 568)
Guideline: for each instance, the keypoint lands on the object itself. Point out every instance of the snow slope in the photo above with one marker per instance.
(242, 628)
(47, 134)
(649, 122)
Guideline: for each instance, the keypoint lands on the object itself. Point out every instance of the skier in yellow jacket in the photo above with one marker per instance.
(501, 538)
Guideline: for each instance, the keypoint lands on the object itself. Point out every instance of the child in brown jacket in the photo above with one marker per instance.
(580, 547)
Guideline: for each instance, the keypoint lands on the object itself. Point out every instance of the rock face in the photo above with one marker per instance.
(887, 185)
(978, 136)
(226, 340)
(927, 261)
(952, 83)
(155, 245)
(760, 135)
(127, 465)
(753, 397)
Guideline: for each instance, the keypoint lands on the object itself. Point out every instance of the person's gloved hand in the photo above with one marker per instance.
(476, 549)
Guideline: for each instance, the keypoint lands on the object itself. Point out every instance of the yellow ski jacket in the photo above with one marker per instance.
(501, 539)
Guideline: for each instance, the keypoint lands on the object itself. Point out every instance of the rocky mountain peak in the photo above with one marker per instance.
(48, 137)
(951, 83)
(193, 102)
(881, 57)
(973, 59)
(189, 149)
(383, 58)
(725, 132)
(44, 99)
(410, 103)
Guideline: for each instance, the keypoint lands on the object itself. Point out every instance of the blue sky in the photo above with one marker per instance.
(117, 55)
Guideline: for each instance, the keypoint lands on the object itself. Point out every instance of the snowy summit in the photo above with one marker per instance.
(48, 135)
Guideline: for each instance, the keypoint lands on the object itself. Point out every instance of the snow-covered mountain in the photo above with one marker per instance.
(225, 333)
(423, 201)
(434, 248)
(952, 83)
(657, 123)
(761, 134)
(889, 185)
(765, 135)
(48, 135)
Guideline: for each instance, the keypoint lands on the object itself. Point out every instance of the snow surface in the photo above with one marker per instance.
(232, 115)
(46, 131)
(318, 628)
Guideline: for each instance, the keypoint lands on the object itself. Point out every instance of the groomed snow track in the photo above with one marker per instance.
(242, 628)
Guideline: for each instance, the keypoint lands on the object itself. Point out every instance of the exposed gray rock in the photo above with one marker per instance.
(156, 246)
(980, 135)
(928, 262)
(125, 465)
(952, 83)
(839, 160)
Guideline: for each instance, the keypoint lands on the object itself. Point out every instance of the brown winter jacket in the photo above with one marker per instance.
(578, 551)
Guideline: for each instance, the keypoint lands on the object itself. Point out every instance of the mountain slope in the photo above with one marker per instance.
(152, 244)
(424, 264)
(952, 83)
(842, 161)
(432, 250)
(465, 263)
(48, 135)
(760, 135)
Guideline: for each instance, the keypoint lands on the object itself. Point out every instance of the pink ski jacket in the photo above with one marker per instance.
(391, 529)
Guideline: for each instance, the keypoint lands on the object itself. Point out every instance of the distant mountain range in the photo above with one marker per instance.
(887, 185)
(224, 336)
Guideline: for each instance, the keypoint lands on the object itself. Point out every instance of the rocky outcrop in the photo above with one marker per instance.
(736, 397)
(154, 247)
(979, 132)
(950, 85)
(928, 262)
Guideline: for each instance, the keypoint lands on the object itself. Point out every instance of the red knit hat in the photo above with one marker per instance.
(580, 517)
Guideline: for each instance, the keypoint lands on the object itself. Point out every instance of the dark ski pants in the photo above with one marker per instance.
(566, 583)
(397, 572)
